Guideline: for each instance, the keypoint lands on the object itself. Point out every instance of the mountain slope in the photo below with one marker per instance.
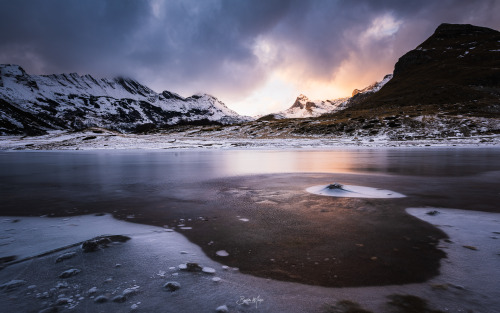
(35, 104)
(456, 70)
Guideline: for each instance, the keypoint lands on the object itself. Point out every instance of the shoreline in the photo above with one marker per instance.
(108, 140)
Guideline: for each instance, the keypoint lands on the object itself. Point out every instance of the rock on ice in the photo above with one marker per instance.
(172, 286)
(69, 273)
(12, 284)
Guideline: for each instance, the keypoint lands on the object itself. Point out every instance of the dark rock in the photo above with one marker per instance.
(119, 299)
(432, 213)
(172, 286)
(65, 256)
(193, 267)
(62, 301)
(102, 242)
(12, 284)
(101, 299)
(69, 273)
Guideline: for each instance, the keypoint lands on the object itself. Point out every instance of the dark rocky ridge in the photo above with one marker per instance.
(456, 69)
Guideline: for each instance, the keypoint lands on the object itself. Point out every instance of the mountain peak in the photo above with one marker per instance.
(11, 70)
(446, 30)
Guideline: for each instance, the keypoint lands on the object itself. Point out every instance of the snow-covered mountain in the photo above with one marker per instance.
(303, 107)
(373, 87)
(33, 104)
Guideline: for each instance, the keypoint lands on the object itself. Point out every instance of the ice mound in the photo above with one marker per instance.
(350, 191)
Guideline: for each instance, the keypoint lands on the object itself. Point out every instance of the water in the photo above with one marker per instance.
(31, 181)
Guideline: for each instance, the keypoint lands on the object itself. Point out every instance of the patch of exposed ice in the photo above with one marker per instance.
(222, 253)
(208, 270)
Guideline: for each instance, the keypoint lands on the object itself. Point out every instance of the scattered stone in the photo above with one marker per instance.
(130, 291)
(12, 284)
(102, 242)
(208, 270)
(63, 301)
(222, 253)
(374, 258)
(193, 267)
(92, 290)
(172, 286)
(433, 213)
(62, 285)
(470, 248)
(65, 256)
(134, 307)
(222, 309)
(101, 299)
(119, 299)
(216, 279)
(69, 273)
(118, 265)
(184, 252)
(225, 267)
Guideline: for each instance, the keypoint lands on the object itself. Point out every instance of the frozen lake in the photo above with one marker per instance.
(67, 180)
(254, 206)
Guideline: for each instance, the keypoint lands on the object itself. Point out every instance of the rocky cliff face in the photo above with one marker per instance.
(31, 104)
(456, 70)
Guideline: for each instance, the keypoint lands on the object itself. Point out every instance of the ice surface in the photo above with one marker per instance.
(349, 191)
(468, 279)
(32, 236)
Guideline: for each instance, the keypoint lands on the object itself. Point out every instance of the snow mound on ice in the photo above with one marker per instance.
(350, 191)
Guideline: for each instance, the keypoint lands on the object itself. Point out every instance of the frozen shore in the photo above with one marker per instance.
(131, 276)
(105, 139)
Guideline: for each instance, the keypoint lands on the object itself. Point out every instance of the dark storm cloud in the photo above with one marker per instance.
(210, 45)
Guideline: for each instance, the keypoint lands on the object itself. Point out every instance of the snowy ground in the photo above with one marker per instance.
(131, 275)
(104, 139)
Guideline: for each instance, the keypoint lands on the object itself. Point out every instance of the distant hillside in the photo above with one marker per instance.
(456, 70)
(32, 104)
(303, 107)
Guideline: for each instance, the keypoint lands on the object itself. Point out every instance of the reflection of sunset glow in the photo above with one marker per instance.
(251, 162)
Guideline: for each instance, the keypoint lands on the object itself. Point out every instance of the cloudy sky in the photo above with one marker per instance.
(257, 56)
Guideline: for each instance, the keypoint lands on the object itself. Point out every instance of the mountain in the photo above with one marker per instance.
(303, 107)
(34, 104)
(456, 70)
